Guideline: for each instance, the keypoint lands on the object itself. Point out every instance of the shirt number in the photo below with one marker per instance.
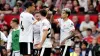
(49, 34)
(22, 26)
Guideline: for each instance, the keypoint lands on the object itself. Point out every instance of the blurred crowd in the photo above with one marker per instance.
(77, 6)
(86, 41)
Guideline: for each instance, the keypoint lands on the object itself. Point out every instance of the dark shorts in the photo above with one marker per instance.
(67, 51)
(45, 51)
(26, 48)
(36, 52)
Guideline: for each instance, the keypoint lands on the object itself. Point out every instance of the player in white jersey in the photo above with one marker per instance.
(26, 29)
(36, 34)
(66, 31)
(45, 35)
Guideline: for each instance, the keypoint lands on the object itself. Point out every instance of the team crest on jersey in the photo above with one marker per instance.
(21, 16)
(16, 35)
(71, 25)
(43, 24)
(32, 18)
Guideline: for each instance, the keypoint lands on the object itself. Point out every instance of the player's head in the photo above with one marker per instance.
(65, 13)
(14, 22)
(37, 15)
(30, 6)
(43, 13)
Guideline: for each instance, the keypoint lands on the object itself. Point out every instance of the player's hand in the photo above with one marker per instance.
(35, 21)
(63, 42)
(39, 46)
(35, 46)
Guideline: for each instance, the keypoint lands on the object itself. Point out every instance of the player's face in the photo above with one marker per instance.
(64, 15)
(32, 7)
(37, 16)
(12, 24)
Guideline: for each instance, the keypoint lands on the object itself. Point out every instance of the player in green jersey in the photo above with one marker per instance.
(13, 38)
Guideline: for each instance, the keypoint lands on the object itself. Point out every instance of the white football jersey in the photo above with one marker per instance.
(26, 27)
(65, 28)
(36, 33)
(45, 25)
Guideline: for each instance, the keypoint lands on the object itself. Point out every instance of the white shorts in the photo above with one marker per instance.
(15, 53)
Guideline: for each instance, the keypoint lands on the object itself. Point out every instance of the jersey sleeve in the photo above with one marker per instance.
(45, 26)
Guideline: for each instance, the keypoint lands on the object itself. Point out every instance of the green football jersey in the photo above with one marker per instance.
(15, 40)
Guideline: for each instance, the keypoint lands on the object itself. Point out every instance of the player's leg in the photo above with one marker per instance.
(15, 53)
(68, 51)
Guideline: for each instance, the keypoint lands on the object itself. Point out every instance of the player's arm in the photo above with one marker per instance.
(34, 22)
(69, 37)
(72, 32)
(44, 35)
(9, 42)
(45, 32)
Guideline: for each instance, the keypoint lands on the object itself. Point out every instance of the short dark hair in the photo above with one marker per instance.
(15, 20)
(43, 12)
(28, 4)
(68, 13)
